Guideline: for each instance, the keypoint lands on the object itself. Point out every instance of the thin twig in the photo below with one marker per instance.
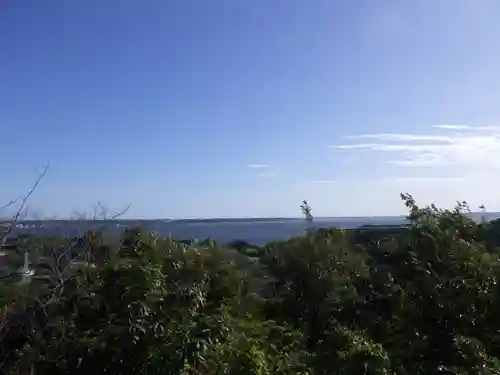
(21, 209)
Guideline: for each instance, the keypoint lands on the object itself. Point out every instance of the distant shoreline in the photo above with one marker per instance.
(390, 218)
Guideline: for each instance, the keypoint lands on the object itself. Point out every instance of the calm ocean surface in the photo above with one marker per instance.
(255, 231)
(258, 231)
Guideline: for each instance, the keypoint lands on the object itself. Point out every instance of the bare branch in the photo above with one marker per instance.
(101, 212)
(22, 209)
(120, 213)
(32, 190)
(10, 203)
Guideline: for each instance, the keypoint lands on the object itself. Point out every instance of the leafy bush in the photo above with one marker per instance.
(422, 300)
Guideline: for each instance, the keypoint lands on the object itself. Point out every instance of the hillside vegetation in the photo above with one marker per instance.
(424, 301)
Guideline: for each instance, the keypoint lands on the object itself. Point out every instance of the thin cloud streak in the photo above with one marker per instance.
(474, 149)
(263, 170)
(324, 182)
(422, 179)
(392, 180)
(258, 166)
(465, 127)
(394, 148)
(268, 174)
(402, 137)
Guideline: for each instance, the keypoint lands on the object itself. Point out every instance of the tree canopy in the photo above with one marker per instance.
(424, 300)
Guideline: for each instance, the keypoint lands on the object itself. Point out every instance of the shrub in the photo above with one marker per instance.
(422, 300)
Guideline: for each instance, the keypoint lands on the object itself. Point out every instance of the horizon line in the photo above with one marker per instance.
(235, 218)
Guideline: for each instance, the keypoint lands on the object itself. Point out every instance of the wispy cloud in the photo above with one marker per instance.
(402, 137)
(268, 173)
(465, 127)
(263, 170)
(424, 180)
(258, 166)
(324, 182)
(458, 145)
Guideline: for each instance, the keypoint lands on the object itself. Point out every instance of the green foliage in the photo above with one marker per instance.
(420, 300)
(307, 212)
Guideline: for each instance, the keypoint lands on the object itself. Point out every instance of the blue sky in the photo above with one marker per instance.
(227, 108)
